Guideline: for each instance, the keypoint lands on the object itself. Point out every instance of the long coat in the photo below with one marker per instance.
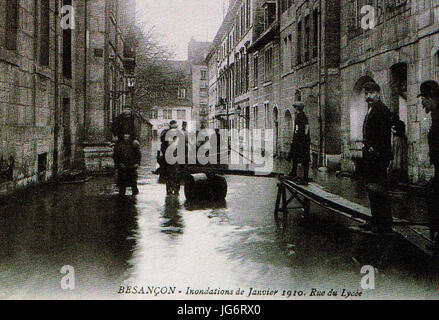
(300, 145)
(377, 132)
(124, 124)
(129, 155)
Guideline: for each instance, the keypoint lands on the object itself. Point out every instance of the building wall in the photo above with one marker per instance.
(291, 79)
(197, 52)
(315, 78)
(109, 30)
(33, 124)
(405, 35)
(162, 118)
(42, 99)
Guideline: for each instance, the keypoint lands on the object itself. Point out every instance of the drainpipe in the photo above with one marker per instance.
(85, 68)
(56, 115)
(321, 111)
(34, 78)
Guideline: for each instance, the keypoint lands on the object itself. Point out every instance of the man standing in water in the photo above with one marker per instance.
(430, 102)
(377, 153)
(300, 147)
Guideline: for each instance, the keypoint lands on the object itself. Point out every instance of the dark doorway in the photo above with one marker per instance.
(42, 166)
(398, 82)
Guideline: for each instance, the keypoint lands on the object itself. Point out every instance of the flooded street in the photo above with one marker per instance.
(169, 249)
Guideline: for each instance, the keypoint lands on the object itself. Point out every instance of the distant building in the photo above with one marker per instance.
(178, 105)
(197, 52)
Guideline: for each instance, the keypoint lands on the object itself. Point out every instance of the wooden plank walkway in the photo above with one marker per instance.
(315, 193)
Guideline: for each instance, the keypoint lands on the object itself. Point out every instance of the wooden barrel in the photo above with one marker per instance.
(201, 186)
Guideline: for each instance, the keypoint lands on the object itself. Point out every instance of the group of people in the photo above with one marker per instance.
(381, 157)
(378, 153)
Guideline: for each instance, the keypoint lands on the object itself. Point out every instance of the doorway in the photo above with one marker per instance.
(67, 135)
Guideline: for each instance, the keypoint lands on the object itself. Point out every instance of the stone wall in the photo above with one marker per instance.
(405, 36)
(31, 97)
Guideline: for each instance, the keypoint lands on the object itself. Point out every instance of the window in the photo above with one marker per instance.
(204, 110)
(307, 37)
(315, 17)
(255, 70)
(98, 52)
(167, 113)
(285, 63)
(269, 14)
(154, 114)
(181, 93)
(283, 6)
(11, 24)
(268, 64)
(242, 21)
(44, 32)
(203, 74)
(267, 113)
(248, 13)
(181, 114)
(67, 48)
(299, 42)
(237, 28)
(255, 115)
(290, 47)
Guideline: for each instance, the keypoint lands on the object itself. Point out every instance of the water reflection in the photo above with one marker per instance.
(173, 223)
(50, 228)
(205, 205)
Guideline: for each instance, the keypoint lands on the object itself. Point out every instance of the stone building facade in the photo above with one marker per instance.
(317, 52)
(229, 66)
(310, 58)
(109, 64)
(179, 104)
(399, 53)
(291, 53)
(45, 92)
(197, 52)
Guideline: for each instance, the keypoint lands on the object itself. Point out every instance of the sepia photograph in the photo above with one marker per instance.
(201, 151)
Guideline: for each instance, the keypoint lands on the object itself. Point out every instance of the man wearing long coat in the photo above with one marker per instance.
(377, 153)
(300, 147)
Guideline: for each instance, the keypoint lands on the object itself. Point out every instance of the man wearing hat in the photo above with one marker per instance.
(377, 153)
(299, 151)
(430, 102)
(169, 173)
(124, 124)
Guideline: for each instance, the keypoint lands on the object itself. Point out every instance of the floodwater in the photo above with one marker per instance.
(159, 247)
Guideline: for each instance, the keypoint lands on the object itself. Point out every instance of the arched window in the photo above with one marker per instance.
(288, 125)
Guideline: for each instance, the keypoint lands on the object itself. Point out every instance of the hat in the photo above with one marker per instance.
(173, 122)
(299, 105)
(371, 86)
(429, 89)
